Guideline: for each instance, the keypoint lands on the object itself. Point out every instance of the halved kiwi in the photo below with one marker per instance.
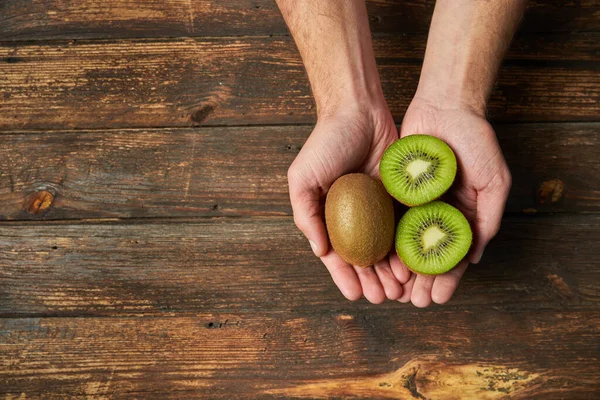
(417, 169)
(433, 238)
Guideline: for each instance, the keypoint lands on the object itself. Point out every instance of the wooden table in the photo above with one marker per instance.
(147, 248)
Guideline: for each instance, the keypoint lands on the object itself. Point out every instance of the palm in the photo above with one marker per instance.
(341, 145)
(479, 191)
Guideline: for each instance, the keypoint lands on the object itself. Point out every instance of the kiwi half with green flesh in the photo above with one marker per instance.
(433, 238)
(417, 169)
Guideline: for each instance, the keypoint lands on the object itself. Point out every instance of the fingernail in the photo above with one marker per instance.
(314, 247)
(477, 259)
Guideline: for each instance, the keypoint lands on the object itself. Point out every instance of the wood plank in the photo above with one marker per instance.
(242, 171)
(265, 263)
(183, 82)
(31, 20)
(364, 354)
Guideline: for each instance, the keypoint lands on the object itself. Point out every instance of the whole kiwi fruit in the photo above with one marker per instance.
(359, 214)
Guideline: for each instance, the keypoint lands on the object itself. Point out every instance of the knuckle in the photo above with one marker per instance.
(502, 182)
(354, 296)
(299, 221)
(507, 179)
(293, 175)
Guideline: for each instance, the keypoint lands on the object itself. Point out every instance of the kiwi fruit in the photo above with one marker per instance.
(433, 238)
(359, 215)
(417, 169)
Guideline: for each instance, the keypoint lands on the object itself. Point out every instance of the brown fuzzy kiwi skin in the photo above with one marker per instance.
(359, 214)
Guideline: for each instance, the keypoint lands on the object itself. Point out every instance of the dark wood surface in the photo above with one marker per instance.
(241, 171)
(60, 19)
(248, 264)
(147, 248)
(240, 81)
(541, 354)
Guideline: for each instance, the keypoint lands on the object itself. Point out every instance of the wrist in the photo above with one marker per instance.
(348, 80)
(446, 93)
(351, 102)
(453, 75)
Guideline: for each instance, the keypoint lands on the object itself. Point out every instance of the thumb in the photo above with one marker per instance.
(305, 197)
(490, 208)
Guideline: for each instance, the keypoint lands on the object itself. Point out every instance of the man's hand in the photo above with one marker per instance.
(353, 130)
(349, 141)
(466, 43)
(480, 190)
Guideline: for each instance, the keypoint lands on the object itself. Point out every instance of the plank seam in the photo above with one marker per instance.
(15, 132)
(201, 219)
(86, 39)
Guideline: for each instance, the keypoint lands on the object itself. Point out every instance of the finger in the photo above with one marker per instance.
(421, 293)
(308, 216)
(343, 276)
(445, 285)
(391, 286)
(407, 289)
(490, 207)
(401, 272)
(371, 286)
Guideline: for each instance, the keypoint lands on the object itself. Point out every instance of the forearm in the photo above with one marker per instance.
(334, 41)
(467, 41)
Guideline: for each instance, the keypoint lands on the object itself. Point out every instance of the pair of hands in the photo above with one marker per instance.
(353, 140)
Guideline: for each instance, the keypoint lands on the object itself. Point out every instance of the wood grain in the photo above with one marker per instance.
(264, 263)
(242, 171)
(35, 20)
(233, 81)
(488, 354)
(183, 275)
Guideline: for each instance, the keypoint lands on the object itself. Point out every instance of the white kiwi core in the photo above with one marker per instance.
(417, 167)
(432, 236)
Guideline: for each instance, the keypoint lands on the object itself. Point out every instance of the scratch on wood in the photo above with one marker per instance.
(190, 167)
(22, 396)
(424, 379)
(98, 389)
(191, 15)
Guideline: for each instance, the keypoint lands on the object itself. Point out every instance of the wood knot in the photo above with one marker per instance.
(200, 115)
(38, 202)
(550, 191)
